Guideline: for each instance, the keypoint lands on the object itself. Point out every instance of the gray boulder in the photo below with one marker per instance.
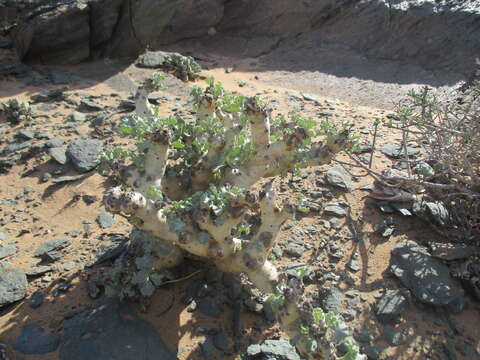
(427, 277)
(13, 286)
(84, 154)
(116, 333)
(272, 350)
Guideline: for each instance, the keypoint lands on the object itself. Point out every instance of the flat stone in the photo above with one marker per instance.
(335, 209)
(39, 270)
(34, 341)
(77, 116)
(397, 151)
(13, 286)
(390, 306)
(7, 250)
(59, 154)
(50, 250)
(25, 134)
(111, 330)
(84, 154)
(310, 97)
(105, 219)
(109, 250)
(36, 300)
(67, 178)
(339, 177)
(272, 350)
(16, 146)
(294, 250)
(48, 95)
(428, 278)
(89, 105)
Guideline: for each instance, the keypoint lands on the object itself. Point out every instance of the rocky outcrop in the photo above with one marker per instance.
(431, 33)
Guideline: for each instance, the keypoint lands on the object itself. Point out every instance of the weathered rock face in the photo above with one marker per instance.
(65, 32)
(434, 34)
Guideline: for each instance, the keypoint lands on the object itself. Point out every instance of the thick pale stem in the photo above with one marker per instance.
(206, 108)
(142, 107)
(259, 118)
(154, 164)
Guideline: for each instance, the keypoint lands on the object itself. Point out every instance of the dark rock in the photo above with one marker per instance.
(89, 105)
(36, 300)
(272, 350)
(49, 95)
(210, 306)
(221, 342)
(294, 249)
(339, 177)
(372, 352)
(109, 250)
(126, 105)
(390, 306)
(7, 250)
(84, 154)
(331, 299)
(206, 345)
(105, 219)
(50, 250)
(13, 286)
(428, 278)
(16, 146)
(111, 331)
(394, 337)
(34, 341)
(59, 154)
